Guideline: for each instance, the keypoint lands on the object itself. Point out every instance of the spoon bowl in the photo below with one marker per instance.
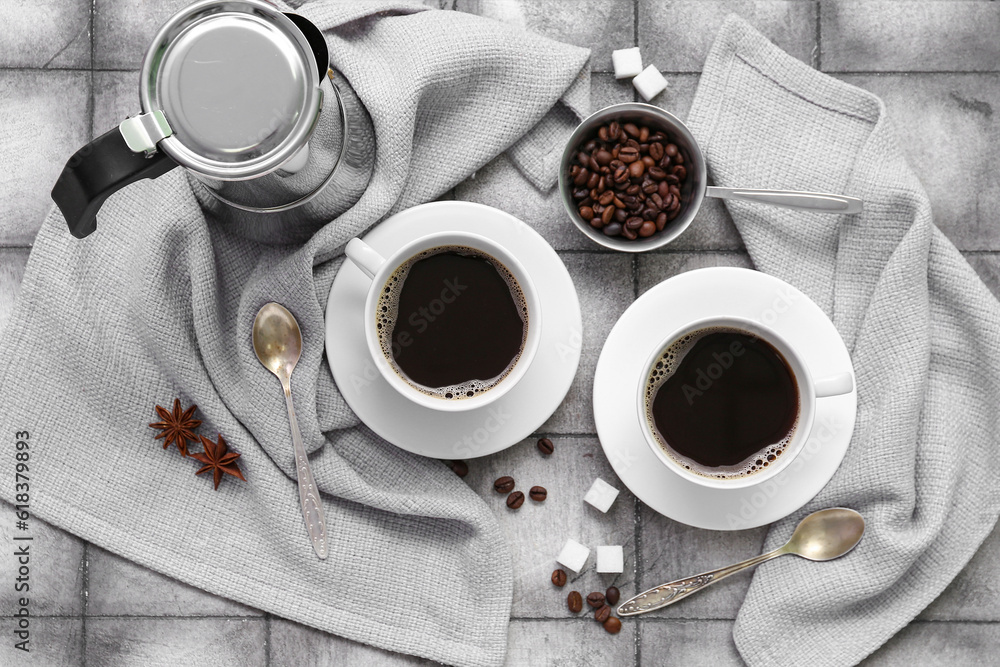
(826, 534)
(277, 340)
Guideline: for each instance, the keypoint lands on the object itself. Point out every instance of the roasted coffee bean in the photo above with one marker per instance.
(614, 164)
(614, 152)
(538, 493)
(663, 189)
(607, 198)
(545, 446)
(631, 130)
(460, 468)
(634, 222)
(670, 150)
(633, 190)
(613, 625)
(594, 179)
(603, 613)
(515, 500)
(675, 191)
(680, 172)
(603, 157)
(656, 151)
(628, 155)
(559, 577)
(658, 137)
(621, 175)
(581, 177)
(590, 146)
(657, 173)
(612, 595)
(575, 602)
(648, 161)
(504, 484)
(621, 215)
(580, 193)
(679, 158)
(636, 169)
(594, 194)
(614, 131)
(602, 184)
(595, 599)
(614, 229)
(649, 187)
(648, 229)
(597, 222)
(602, 133)
(608, 214)
(629, 234)
(643, 134)
(632, 143)
(649, 213)
(661, 222)
(656, 201)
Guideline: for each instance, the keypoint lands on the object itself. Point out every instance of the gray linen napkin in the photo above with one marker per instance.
(924, 335)
(159, 303)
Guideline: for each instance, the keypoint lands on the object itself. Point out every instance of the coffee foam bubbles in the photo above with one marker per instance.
(387, 311)
(662, 369)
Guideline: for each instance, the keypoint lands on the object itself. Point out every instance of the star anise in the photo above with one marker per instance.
(177, 427)
(218, 459)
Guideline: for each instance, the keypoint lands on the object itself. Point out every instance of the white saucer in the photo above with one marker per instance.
(478, 432)
(693, 296)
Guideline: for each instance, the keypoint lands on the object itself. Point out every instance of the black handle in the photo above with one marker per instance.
(316, 41)
(97, 171)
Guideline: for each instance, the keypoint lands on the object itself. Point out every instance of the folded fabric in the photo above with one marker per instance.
(160, 301)
(924, 336)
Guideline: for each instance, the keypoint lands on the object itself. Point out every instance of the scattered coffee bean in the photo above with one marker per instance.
(538, 493)
(626, 176)
(595, 599)
(504, 484)
(460, 468)
(559, 577)
(515, 500)
(545, 446)
(612, 595)
(613, 625)
(602, 614)
(574, 601)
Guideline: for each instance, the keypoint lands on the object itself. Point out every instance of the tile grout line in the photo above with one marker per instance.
(85, 592)
(636, 510)
(819, 33)
(267, 639)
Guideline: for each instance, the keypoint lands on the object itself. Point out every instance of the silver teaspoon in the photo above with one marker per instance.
(277, 341)
(823, 535)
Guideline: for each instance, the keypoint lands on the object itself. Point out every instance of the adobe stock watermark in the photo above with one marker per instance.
(823, 433)
(419, 320)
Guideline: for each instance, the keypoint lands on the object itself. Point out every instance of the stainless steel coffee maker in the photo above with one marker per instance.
(241, 95)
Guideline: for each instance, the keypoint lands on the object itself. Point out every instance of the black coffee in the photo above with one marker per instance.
(723, 402)
(453, 321)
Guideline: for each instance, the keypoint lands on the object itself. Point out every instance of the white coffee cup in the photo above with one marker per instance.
(809, 389)
(380, 269)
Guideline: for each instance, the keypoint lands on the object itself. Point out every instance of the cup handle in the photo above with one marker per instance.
(364, 256)
(835, 385)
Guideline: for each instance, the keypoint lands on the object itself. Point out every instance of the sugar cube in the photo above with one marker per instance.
(610, 559)
(573, 555)
(601, 495)
(649, 83)
(627, 62)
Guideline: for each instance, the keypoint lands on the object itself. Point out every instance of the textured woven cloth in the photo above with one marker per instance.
(924, 335)
(159, 303)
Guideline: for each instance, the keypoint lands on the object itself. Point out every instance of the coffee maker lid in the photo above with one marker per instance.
(237, 83)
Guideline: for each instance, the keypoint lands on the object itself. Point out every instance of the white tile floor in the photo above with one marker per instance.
(67, 72)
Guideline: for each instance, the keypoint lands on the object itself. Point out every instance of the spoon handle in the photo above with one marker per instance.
(667, 594)
(312, 508)
(820, 202)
